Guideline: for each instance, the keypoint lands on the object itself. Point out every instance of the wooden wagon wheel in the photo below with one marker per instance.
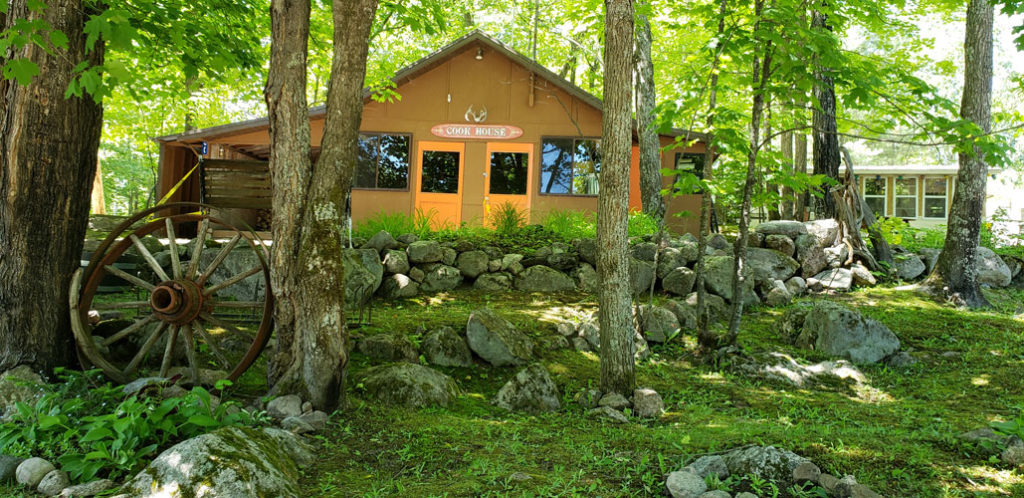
(177, 313)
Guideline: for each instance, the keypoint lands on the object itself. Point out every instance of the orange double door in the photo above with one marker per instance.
(443, 169)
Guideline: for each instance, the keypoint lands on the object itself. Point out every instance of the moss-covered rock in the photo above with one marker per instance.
(446, 348)
(496, 340)
(410, 385)
(389, 347)
(231, 461)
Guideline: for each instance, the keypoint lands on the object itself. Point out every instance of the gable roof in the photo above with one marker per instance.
(411, 72)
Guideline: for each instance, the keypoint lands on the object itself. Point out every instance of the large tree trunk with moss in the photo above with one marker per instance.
(616, 321)
(826, 137)
(48, 147)
(307, 271)
(955, 274)
(650, 160)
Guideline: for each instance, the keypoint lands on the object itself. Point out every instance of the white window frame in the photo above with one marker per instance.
(915, 196)
(884, 196)
(944, 197)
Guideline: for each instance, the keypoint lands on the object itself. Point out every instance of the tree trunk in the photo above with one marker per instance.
(800, 163)
(955, 274)
(758, 84)
(705, 338)
(616, 320)
(786, 148)
(650, 160)
(826, 139)
(48, 151)
(309, 202)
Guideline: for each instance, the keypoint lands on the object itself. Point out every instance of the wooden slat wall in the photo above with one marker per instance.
(236, 184)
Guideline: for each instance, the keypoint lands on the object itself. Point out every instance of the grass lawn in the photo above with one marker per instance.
(897, 434)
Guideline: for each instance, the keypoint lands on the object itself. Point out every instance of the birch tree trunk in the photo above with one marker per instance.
(617, 372)
(307, 270)
(955, 274)
(650, 160)
(48, 147)
(826, 138)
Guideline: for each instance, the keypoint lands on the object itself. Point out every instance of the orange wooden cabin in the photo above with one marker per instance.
(477, 125)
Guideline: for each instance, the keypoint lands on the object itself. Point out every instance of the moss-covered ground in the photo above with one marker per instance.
(897, 434)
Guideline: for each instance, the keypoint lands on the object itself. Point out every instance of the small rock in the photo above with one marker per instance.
(679, 281)
(445, 347)
(9, 464)
(388, 347)
(531, 390)
(563, 261)
(424, 251)
(908, 266)
(87, 489)
(789, 228)
(417, 274)
(410, 385)
(286, 406)
(53, 483)
(494, 265)
(448, 256)
(745, 495)
(307, 407)
(1014, 456)
(901, 359)
(806, 471)
(138, 385)
(708, 465)
(615, 401)
(647, 403)
(174, 391)
(608, 413)
(381, 241)
(829, 483)
(296, 425)
(30, 472)
(520, 476)
(496, 340)
(493, 282)
(657, 324)
(838, 279)
(472, 263)
(718, 493)
(542, 278)
(407, 238)
(717, 241)
(581, 344)
(396, 261)
(566, 329)
(316, 419)
(796, 286)
(441, 278)
(780, 243)
(588, 398)
(862, 276)
(685, 484)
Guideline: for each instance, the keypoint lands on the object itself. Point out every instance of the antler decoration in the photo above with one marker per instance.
(476, 117)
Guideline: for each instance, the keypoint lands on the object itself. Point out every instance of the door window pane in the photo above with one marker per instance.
(509, 171)
(556, 166)
(440, 172)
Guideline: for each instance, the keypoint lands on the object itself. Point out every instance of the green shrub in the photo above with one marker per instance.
(93, 431)
(507, 218)
(570, 224)
(393, 223)
(641, 224)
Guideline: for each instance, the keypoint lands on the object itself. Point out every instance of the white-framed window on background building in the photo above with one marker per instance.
(905, 198)
(874, 189)
(936, 195)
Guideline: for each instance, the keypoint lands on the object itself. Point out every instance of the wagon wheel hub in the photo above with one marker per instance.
(177, 301)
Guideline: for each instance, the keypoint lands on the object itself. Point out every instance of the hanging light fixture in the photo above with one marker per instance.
(479, 54)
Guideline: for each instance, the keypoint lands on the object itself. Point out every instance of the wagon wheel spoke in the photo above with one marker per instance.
(210, 341)
(219, 259)
(232, 281)
(225, 325)
(113, 270)
(120, 306)
(135, 327)
(172, 244)
(190, 352)
(197, 249)
(144, 350)
(165, 365)
(149, 258)
(237, 304)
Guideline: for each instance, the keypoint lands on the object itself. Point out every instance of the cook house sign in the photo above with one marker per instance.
(485, 132)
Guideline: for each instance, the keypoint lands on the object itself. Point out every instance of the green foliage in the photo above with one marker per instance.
(641, 224)
(92, 430)
(570, 224)
(1012, 427)
(507, 218)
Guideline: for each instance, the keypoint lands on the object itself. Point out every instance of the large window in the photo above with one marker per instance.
(508, 173)
(570, 166)
(874, 195)
(383, 161)
(906, 198)
(440, 172)
(936, 191)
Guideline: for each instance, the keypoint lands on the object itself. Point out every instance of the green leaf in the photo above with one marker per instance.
(59, 39)
(47, 421)
(96, 433)
(36, 5)
(203, 420)
(22, 70)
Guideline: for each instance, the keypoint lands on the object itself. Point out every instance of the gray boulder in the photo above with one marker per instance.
(679, 281)
(908, 266)
(424, 251)
(9, 464)
(709, 465)
(445, 347)
(240, 260)
(862, 275)
(542, 278)
(717, 241)
(399, 286)
(755, 239)
(838, 279)
(657, 324)
(837, 256)
(992, 270)
(811, 255)
(19, 384)
(789, 228)
(231, 461)
(363, 275)
(796, 286)
(769, 264)
(644, 251)
(717, 308)
(669, 259)
(396, 261)
(496, 340)
(641, 274)
(531, 390)
(389, 347)
(381, 241)
(417, 274)
(685, 314)
(442, 278)
(647, 403)
(282, 407)
(837, 330)
(448, 256)
(472, 263)
(91, 488)
(407, 238)
(718, 279)
(512, 263)
(587, 250)
(781, 243)
(32, 471)
(586, 278)
(685, 484)
(53, 483)
(410, 385)
(563, 261)
(766, 462)
(493, 282)
(826, 231)
(929, 256)
(777, 294)
(608, 413)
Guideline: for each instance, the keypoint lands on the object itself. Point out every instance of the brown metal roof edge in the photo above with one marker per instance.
(412, 71)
